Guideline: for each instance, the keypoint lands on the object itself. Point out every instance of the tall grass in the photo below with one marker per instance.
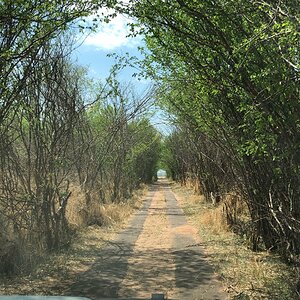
(21, 253)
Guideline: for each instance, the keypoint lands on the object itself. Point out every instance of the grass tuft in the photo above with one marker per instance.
(214, 219)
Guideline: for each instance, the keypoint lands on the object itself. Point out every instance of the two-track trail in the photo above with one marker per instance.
(158, 252)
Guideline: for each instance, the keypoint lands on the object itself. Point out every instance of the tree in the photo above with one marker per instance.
(26, 26)
(120, 137)
(231, 70)
(59, 133)
(35, 152)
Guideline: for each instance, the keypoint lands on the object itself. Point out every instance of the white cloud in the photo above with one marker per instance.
(112, 35)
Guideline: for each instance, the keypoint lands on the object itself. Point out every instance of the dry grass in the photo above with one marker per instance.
(97, 213)
(214, 219)
(20, 253)
(58, 271)
(246, 274)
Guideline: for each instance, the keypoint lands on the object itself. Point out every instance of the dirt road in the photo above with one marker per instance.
(157, 253)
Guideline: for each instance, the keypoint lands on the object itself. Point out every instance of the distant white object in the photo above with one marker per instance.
(161, 173)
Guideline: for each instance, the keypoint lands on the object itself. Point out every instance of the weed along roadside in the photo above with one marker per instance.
(155, 252)
(55, 272)
(245, 274)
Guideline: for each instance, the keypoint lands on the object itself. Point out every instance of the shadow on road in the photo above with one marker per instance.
(154, 269)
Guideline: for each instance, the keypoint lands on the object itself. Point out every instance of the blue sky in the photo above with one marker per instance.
(111, 38)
